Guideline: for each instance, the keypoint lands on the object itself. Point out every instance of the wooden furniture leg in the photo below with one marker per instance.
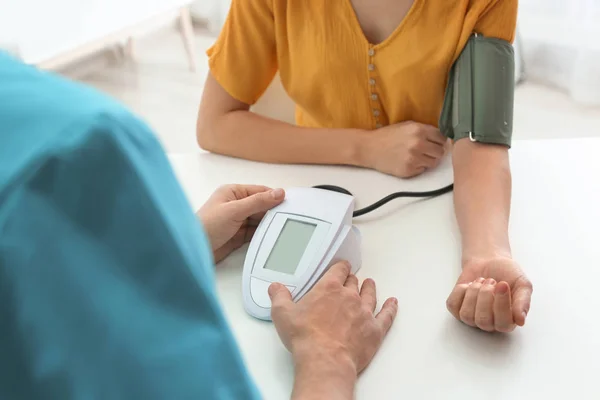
(187, 34)
(130, 48)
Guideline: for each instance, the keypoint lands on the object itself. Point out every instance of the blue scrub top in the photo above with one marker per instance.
(106, 277)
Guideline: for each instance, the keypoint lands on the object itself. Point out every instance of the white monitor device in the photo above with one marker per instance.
(296, 243)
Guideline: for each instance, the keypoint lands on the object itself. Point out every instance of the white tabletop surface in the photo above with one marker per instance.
(411, 249)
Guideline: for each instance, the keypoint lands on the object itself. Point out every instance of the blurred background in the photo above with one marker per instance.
(150, 54)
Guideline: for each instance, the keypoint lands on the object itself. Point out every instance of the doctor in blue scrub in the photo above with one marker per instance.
(107, 275)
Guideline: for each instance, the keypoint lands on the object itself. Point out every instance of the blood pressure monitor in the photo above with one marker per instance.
(296, 243)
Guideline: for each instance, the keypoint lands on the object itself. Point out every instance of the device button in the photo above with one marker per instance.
(259, 290)
(291, 289)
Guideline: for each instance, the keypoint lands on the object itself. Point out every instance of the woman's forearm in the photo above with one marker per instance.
(247, 135)
(482, 199)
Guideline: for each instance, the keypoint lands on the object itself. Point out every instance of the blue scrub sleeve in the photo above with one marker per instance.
(106, 277)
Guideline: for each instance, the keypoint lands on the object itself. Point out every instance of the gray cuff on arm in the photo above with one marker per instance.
(479, 97)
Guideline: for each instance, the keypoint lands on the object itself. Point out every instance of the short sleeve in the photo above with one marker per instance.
(499, 20)
(243, 60)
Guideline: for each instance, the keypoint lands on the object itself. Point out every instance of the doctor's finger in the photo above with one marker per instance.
(386, 316)
(337, 273)
(368, 293)
(352, 282)
(256, 204)
(243, 191)
(281, 299)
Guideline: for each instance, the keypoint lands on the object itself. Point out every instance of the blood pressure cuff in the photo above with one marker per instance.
(480, 94)
(106, 278)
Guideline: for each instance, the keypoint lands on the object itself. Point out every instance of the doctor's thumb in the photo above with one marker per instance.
(259, 202)
(280, 295)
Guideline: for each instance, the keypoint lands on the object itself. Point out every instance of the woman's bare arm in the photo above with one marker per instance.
(482, 199)
(226, 126)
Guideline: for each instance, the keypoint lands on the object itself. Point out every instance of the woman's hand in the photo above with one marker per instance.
(232, 213)
(406, 149)
(492, 295)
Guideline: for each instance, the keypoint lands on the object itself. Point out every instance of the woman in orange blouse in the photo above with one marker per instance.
(368, 78)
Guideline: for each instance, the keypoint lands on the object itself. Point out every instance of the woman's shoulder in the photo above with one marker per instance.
(483, 5)
(497, 18)
(501, 9)
(488, 17)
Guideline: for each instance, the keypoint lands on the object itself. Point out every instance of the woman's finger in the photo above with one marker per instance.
(467, 310)
(455, 300)
(484, 310)
(433, 150)
(428, 162)
(503, 315)
(434, 135)
(523, 290)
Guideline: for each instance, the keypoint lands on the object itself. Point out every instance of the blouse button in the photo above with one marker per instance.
(372, 82)
(374, 97)
(376, 112)
(371, 52)
(371, 67)
(378, 126)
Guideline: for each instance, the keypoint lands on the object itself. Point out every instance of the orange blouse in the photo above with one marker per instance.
(334, 75)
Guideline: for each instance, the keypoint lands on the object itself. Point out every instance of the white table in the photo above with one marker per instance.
(411, 249)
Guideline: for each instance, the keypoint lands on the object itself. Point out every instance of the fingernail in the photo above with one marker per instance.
(273, 288)
(277, 194)
(395, 301)
(480, 280)
(348, 266)
(490, 281)
(524, 314)
(501, 289)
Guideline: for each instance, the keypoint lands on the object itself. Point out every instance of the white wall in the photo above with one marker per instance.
(42, 29)
(561, 45)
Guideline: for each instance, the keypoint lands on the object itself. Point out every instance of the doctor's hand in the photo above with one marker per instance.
(334, 327)
(492, 295)
(232, 213)
(405, 149)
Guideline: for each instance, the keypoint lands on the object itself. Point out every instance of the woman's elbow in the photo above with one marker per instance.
(205, 136)
(202, 136)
